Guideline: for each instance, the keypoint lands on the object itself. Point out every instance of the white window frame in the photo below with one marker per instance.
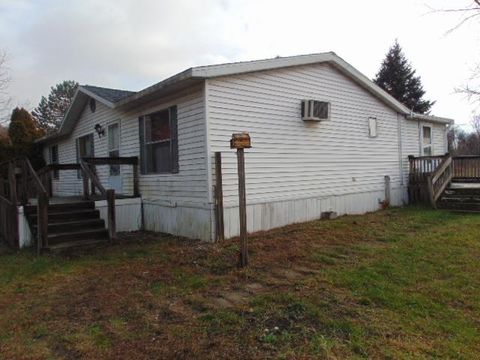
(422, 145)
(118, 122)
(372, 127)
(147, 143)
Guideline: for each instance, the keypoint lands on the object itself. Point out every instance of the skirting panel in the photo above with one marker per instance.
(269, 215)
(191, 222)
(128, 213)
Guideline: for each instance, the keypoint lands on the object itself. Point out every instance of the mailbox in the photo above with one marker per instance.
(240, 141)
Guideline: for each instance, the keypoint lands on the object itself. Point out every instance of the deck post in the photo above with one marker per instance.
(219, 196)
(13, 198)
(431, 196)
(85, 186)
(112, 233)
(24, 185)
(136, 187)
(42, 221)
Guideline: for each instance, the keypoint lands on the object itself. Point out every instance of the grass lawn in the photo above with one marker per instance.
(400, 283)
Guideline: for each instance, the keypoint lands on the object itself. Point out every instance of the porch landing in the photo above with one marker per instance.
(55, 200)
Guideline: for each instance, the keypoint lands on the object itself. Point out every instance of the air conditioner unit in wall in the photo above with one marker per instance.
(313, 110)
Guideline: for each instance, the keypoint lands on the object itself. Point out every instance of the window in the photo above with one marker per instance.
(427, 141)
(372, 127)
(54, 159)
(114, 147)
(158, 141)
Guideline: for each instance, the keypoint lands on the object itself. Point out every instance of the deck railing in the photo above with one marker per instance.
(430, 175)
(467, 168)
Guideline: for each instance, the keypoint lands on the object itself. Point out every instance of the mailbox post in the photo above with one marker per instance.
(242, 141)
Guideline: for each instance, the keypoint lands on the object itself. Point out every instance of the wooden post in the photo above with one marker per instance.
(49, 176)
(136, 187)
(387, 190)
(112, 233)
(13, 198)
(242, 208)
(86, 195)
(93, 168)
(219, 196)
(42, 221)
(24, 185)
(430, 193)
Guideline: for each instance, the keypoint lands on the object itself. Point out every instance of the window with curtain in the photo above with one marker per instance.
(159, 146)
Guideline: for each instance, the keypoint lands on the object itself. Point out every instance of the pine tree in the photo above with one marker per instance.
(397, 77)
(50, 111)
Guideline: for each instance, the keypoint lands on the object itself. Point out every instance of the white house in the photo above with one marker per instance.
(296, 169)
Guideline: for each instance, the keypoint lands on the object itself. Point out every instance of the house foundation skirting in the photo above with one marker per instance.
(269, 215)
(128, 213)
(191, 221)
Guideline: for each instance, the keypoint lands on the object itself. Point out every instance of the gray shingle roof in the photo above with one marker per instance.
(112, 95)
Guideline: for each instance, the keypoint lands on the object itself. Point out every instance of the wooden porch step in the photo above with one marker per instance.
(80, 205)
(462, 205)
(461, 197)
(81, 214)
(66, 226)
(462, 191)
(75, 244)
(80, 235)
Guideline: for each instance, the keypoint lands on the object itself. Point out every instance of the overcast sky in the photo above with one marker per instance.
(132, 44)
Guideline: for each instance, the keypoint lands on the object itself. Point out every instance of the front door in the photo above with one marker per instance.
(84, 149)
(115, 176)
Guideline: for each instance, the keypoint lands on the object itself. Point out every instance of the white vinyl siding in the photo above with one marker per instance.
(294, 159)
(189, 185)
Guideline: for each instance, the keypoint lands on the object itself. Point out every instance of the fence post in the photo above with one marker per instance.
(112, 233)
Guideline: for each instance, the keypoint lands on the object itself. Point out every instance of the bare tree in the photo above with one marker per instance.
(4, 83)
(467, 13)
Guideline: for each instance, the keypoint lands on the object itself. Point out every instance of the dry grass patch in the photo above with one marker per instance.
(400, 283)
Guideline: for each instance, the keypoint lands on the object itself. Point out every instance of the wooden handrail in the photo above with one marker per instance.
(131, 160)
(38, 184)
(5, 200)
(93, 178)
(441, 169)
(439, 179)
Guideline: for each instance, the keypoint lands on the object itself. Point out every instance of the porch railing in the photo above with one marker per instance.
(23, 183)
(8, 204)
(430, 175)
(466, 168)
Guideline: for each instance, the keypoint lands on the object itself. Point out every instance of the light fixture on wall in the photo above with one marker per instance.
(100, 130)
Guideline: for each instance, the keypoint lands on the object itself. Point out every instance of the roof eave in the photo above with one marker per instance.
(431, 118)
